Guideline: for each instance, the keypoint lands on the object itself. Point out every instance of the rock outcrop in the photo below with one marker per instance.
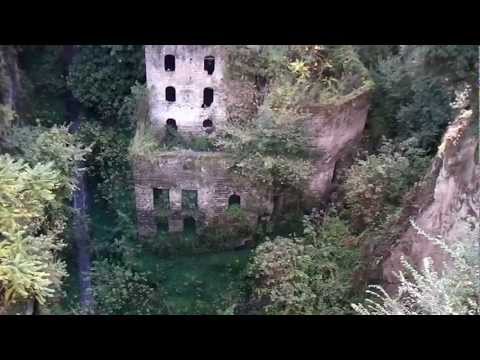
(444, 204)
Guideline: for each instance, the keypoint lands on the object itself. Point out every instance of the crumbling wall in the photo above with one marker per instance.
(333, 131)
(205, 172)
(442, 204)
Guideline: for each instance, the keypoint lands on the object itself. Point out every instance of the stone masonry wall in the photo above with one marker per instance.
(205, 172)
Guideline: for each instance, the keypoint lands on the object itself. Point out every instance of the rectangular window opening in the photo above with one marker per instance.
(189, 199)
(161, 198)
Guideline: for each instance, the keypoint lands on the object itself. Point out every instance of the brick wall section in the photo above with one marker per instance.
(206, 172)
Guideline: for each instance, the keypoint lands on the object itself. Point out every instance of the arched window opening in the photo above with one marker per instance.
(234, 200)
(208, 126)
(170, 94)
(169, 63)
(207, 123)
(209, 64)
(207, 97)
(172, 124)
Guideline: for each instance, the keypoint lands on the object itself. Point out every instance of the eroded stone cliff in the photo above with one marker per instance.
(444, 204)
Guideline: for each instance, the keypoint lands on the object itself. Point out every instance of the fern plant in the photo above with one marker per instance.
(453, 291)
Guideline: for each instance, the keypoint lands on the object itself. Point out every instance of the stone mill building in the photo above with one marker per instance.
(189, 94)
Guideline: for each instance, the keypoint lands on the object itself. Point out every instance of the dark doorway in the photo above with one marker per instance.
(207, 97)
(162, 224)
(172, 124)
(209, 64)
(189, 227)
(170, 94)
(169, 63)
(234, 200)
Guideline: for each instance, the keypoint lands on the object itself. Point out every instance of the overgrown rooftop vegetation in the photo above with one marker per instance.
(300, 75)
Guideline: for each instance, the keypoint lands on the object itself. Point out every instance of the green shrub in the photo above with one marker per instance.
(201, 144)
(304, 74)
(119, 290)
(375, 186)
(311, 274)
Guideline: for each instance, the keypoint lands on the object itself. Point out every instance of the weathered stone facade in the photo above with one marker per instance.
(190, 70)
(186, 74)
(207, 174)
(332, 130)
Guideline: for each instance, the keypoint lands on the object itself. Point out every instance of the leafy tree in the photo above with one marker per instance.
(415, 89)
(28, 266)
(33, 213)
(371, 55)
(119, 290)
(37, 144)
(102, 76)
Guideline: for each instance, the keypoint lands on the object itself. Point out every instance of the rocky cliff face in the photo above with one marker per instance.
(444, 204)
(9, 76)
(334, 131)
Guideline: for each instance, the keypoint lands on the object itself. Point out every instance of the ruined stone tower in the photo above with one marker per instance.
(187, 91)
(188, 95)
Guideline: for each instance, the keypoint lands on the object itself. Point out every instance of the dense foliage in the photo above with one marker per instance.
(374, 186)
(270, 149)
(300, 74)
(119, 290)
(102, 76)
(44, 86)
(34, 188)
(308, 274)
(415, 86)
